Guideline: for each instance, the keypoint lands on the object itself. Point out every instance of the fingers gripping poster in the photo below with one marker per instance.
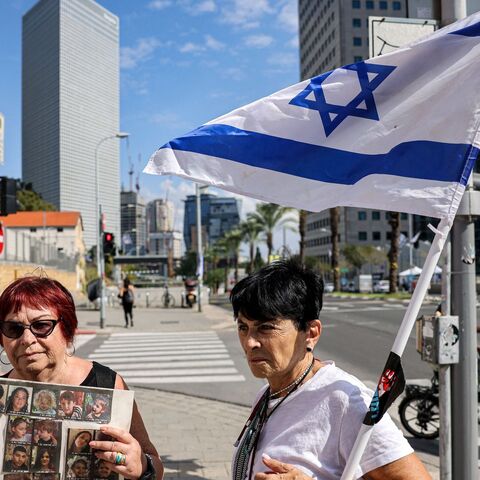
(45, 430)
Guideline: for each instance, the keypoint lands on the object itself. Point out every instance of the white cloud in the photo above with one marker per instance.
(258, 41)
(130, 57)
(206, 6)
(159, 4)
(191, 47)
(288, 16)
(283, 59)
(245, 13)
(293, 42)
(213, 44)
(170, 119)
(196, 7)
(234, 73)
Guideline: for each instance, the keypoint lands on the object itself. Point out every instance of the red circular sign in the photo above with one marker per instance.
(1, 239)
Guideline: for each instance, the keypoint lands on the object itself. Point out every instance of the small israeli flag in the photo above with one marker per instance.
(397, 132)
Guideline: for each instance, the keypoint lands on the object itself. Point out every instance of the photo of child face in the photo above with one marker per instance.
(98, 407)
(18, 400)
(44, 403)
(44, 459)
(19, 430)
(46, 432)
(70, 404)
(78, 441)
(78, 467)
(103, 470)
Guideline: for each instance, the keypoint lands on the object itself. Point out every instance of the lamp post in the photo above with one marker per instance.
(98, 207)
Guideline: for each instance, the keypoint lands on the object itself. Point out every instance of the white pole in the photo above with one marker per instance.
(403, 334)
(199, 246)
(410, 233)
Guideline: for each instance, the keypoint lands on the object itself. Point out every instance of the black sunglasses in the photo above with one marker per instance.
(40, 328)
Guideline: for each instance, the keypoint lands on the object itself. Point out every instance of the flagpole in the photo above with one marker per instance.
(441, 234)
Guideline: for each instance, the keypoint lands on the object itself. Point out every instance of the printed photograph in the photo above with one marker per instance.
(3, 396)
(77, 467)
(70, 404)
(19, 429)
(19, 399)
(45, 459)
(44, 402)
(46, 476)
(17, 476)
(103, 470)
(98, 407)
(47, 432)
(78, 441)
(17, 458)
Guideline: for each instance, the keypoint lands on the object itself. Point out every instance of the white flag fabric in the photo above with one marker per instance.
(396, 132)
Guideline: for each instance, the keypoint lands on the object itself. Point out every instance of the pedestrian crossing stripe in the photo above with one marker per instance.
(168, 357)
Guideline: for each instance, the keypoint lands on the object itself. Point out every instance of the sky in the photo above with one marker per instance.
(183, 63)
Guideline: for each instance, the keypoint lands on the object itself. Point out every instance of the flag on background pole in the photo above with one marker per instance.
(397, 132)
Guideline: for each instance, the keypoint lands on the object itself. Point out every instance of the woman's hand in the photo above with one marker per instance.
(123, 443)
(280, 471)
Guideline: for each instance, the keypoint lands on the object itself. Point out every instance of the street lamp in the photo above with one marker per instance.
(100, 257)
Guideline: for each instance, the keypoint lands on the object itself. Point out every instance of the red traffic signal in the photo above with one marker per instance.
(109, 244)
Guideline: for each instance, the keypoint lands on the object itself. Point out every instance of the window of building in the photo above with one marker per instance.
(404, 216)
(356, 3)
(376, 236)
(60, 229)
(397, 5)
(362, 215)
(362, 236)
(33, 229)
(383, 5)
(357, 22)
(389, 235)
(375, 215)
(357, 41)
(369, 5)
(357, 58)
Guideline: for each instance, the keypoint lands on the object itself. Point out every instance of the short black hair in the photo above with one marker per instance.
(282, 290)
(20, 448)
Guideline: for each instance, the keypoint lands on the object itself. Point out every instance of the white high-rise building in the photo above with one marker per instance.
(70, 103)
(160, 216)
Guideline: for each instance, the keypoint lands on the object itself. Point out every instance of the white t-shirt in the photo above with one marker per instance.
(316, 426)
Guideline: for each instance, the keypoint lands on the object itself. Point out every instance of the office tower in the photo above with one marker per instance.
(70, 106)
(159, 216)
(333, 33)
(133, 221)
(218, 214)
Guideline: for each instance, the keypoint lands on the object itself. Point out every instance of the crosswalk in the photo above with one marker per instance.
(343, 307)
(168, 357)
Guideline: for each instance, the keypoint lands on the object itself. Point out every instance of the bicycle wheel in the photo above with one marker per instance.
(171, 301)
(420, 415)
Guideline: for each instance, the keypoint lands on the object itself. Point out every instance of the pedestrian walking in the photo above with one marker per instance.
(128, 299)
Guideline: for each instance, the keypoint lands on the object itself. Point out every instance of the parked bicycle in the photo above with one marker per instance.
(419, 410)
(168, 301)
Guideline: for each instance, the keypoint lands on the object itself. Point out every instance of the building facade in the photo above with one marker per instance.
(218, 215)
(333, 33)
(133, 221)
(160, 216)
(70, 106)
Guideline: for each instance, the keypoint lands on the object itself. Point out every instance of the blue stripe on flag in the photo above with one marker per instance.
(470, 31)
(417, 159)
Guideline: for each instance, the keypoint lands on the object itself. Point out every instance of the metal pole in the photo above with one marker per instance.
(410, 246)
(464, 374)
(444, 381)
(199, 247)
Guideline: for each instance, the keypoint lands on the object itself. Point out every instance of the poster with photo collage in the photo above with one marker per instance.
(46, 430)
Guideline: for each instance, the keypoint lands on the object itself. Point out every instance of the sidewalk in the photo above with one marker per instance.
(194, 436)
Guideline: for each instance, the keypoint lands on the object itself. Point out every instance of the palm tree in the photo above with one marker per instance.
(232, 241)
(334, 218)
(268, 216)
(394, 222)
(250, 231)
(302, 227)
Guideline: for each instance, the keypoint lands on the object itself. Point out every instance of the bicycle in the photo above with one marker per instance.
(419, 410)
(168, 301)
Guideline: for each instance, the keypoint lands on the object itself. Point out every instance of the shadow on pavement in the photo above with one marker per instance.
(184, 469)
(423, 445)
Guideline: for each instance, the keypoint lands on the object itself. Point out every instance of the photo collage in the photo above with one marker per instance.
(35, 431)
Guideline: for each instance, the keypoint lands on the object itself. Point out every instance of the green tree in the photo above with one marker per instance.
(188, 265)
(302, 230)
(258, 263)
(394, 221)
(214, 278)
(334, 221)
(358, 255)
(269, 216)
(30, 201)
(232, 241)
(251, 230)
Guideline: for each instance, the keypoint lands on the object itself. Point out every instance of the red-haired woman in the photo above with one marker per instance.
(37, 326)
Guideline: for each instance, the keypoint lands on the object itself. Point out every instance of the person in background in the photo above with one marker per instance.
(127, 296)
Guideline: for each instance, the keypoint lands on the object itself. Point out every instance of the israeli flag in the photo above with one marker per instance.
(397, 132)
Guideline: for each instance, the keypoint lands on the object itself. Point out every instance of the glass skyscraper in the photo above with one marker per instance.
(70, 103)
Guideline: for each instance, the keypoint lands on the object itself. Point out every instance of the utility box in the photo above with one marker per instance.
(364, 283)
(437, 339)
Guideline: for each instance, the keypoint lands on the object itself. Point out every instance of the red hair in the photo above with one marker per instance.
(40, 293)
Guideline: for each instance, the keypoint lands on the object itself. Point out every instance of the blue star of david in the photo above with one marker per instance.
(333, 115)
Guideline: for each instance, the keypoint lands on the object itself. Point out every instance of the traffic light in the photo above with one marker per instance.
(8, 195)
(109, 244)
